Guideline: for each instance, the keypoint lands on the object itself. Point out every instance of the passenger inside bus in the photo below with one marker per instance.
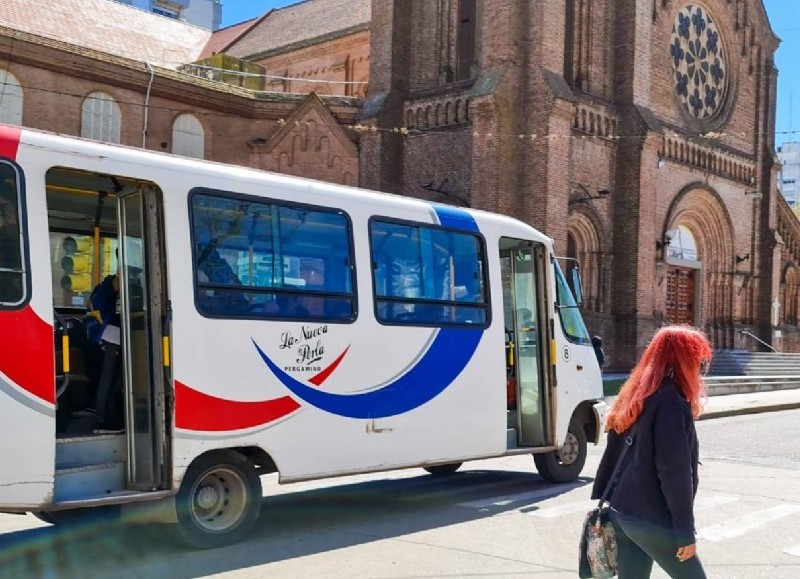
(311, 273)
(212, 268)
(108, 399)
(526, 326)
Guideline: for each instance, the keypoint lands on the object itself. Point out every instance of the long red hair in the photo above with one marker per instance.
(678, 351)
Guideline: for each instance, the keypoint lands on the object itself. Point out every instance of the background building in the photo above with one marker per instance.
(637, 134)
(203, 13)
(789, 176)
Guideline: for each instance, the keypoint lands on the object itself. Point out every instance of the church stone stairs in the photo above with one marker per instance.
(741, 371)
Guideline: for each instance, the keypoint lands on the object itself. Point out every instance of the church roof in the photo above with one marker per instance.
(301, 23)
(224, 37)
(110, 27)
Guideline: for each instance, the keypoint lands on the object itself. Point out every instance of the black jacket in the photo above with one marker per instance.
(659, 482)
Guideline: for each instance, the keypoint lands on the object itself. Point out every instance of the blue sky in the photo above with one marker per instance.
(784, 16)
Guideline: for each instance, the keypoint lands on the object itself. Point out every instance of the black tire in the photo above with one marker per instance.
(219, 500)
(565, 464)
(443, 469)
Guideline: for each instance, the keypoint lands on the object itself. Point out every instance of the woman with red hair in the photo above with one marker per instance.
(652, 500)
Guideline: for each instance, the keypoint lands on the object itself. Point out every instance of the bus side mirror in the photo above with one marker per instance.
(577, 288)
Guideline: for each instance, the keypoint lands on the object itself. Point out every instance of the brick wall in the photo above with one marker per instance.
(341, 59)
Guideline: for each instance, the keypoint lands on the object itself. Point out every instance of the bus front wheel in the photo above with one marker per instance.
(566, 463)
(219, 500)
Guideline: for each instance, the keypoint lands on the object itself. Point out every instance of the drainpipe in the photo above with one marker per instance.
(147, 104)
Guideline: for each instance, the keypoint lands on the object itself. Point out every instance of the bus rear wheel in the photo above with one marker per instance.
(442, 469)
(566, 463)
(219, 500)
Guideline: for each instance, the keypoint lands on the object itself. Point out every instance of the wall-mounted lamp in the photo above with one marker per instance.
(754, 194)
(742, 258)
(601, 194)
(441, 190)
(661, 162)
(663, 243)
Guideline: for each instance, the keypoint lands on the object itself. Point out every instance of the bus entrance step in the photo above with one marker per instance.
(511, 438)
(89, 482)
(90, 450)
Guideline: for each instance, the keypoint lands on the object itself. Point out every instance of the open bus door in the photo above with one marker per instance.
(525, 320)
(93, 462)
(143, 313)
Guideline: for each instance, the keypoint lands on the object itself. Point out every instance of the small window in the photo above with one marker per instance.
(261, 259)
(427, 276)
(166, 12)
(10, 99)
(13, 271)
(188, 137)
(568, 311)
(101, 118)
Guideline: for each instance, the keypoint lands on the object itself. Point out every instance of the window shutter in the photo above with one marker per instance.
(10, 99)
(101, 118)
(188, 137)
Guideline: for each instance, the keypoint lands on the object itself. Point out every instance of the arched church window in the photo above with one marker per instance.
(467, 39)
(576, 43)
(10, 99)
(101, 118)
(682, 244)
(188, 137)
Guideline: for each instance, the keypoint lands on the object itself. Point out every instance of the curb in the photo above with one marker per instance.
(749, 410)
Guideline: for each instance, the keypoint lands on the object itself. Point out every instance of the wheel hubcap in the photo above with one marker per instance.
(220, 500)
(207, 497)
(569, 452)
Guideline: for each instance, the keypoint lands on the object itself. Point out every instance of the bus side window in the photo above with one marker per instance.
(427, 275)
(12, 272)
(258, 258)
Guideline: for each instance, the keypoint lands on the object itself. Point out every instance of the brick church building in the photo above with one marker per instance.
(639, 135)
(636, 133)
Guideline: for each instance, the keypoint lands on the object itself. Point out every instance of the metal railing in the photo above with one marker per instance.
(757, 339)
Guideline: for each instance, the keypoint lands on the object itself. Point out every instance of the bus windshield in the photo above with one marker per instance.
(568, 312)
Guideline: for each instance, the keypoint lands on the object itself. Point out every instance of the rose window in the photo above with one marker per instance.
(699, 62)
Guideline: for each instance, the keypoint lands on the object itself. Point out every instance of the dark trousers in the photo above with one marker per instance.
(108, 409)
(640, 543)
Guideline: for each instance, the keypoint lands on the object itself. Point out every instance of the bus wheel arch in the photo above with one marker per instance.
(565, 463)
(586, 415)
(262, 460)
(219, 500)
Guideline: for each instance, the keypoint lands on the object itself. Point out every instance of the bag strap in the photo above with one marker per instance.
(618, 467)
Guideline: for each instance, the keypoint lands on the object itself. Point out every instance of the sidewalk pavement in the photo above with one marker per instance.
(750, 403)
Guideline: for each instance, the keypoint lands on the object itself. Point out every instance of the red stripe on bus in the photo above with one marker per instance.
(203, 412)
(26, 353)
(318, 379)
(9, 142)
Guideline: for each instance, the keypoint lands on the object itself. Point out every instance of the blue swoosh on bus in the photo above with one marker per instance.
(447, 356)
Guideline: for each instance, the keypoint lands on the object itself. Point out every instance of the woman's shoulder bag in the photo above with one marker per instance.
(598, 546)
